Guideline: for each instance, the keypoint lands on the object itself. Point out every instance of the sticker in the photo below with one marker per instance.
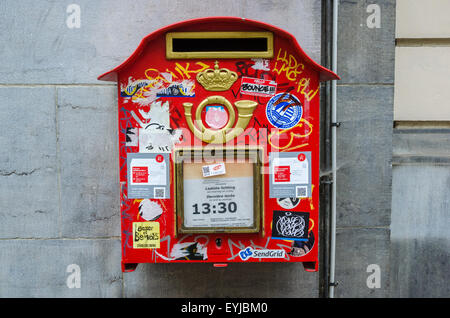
(288, 203)
(154, 140)
(249, 252)
(158, 115)
(261, 64)
(155, 134)
(290, 174)
(148, 176)
(258, 87)
(189, 251)
(183, 89)
(290, 225)
(216, 116)
(213, 170)
(301, 248)
(146, 91)
(133, 87)
(131, 137)
(150, 210)
(284, 110)
(146, 235)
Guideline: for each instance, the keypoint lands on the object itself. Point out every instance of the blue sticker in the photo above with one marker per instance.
(246, 253)
(284, 110)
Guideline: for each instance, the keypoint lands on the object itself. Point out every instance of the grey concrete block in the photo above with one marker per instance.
(356, 249)
(237, 280)
(420, 238)
(364, 152)
(38, 268)
(110, 31)
(89, 160)
(28, 130)
(300, 18)
(366, 55)
(29, 201)
(29, 205)
(421, 142)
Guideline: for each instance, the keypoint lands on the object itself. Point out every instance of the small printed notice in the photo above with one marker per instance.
(148, 176)
(290, 174)
(213, 170)
(146, 235)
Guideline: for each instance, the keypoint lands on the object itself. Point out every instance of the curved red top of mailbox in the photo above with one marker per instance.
(220, 24)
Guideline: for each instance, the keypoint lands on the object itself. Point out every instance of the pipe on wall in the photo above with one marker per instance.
(332, 281)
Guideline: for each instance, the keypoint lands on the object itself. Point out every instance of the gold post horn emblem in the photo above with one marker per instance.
(245, 112)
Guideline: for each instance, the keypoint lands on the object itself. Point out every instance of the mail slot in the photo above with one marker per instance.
(219, 146)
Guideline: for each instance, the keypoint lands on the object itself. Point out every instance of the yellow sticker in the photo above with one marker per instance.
(146, 235)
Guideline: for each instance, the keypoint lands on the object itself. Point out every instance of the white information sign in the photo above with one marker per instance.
(218, 201)
(290, 175)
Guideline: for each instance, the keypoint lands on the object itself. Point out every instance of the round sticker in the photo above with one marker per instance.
(288, 203)
(284, 110)
(301, 157)
(216, 116)
(159, 158)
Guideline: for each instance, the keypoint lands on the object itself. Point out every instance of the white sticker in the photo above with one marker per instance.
(290, 175)
(155, 134)
(213, 170)
(148, 175)
(150, 210)
(157, 141)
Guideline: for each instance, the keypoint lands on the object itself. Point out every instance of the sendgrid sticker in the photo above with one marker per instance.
(249, 252)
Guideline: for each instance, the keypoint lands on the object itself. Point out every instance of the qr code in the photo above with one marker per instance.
(205, 171)
(159, 193)
(301, 192)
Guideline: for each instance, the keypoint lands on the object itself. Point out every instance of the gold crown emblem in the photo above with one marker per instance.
(216, 79)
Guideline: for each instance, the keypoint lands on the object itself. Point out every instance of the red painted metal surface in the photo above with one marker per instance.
(294, 74)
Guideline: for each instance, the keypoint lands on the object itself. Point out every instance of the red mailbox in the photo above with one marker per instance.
(219, 145)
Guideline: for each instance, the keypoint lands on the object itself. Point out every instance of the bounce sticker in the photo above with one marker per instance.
(284, 110)
(258, 87)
